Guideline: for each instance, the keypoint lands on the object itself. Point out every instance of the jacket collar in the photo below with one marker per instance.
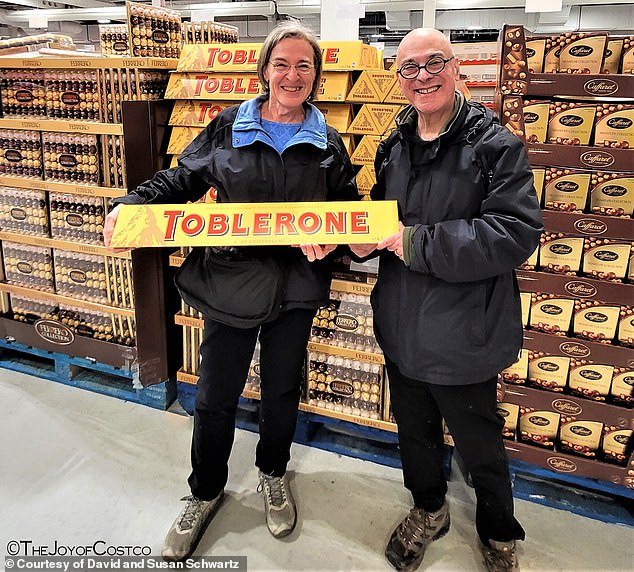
(469, 118)
(248, 129)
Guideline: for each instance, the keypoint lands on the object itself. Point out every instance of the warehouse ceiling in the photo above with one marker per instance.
(21, 12)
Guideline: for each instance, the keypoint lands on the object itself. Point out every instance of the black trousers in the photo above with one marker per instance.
(226, 354)
(470, 412)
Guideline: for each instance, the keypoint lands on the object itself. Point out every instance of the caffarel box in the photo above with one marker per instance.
(582, 53)
(606, 258)
(536, 116)
(551, 313)
(589, 380)
(614, 126)
(535, 52)
(612, 56)
(566, 189)
(596, 321)
(560, 253)
(581, 437)
(571, 123)
(547, 372)
(612, 194)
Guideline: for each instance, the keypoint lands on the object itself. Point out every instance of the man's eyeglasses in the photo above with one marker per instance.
(433, 66)
(302, 69)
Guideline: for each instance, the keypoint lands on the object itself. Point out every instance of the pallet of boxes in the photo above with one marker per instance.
(62, 159)
(569, 400)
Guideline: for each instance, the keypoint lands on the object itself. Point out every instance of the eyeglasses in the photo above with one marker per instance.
(302, 69)
(433, 66)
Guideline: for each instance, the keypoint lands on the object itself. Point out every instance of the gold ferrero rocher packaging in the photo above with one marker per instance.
(571, 123)
(612, 56)
(551, 314)
(539, 427)
(595, 321)
(510, 412)
(590, 381)
(627, 58)
(615, 444)
(614, 126)
(581, 437)
(566, 189)
(622, 390)
(606, 259)
(535, 52)
(536, 115)
(560, 253)
(583, 54)
(626, 326)
(612, 194)
(539, 176)
(518, 372)
(548, 372)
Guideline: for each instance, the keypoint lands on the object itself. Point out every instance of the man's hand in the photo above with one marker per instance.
(362, 250)
(394, 243)
(316, 251)
(108, 229)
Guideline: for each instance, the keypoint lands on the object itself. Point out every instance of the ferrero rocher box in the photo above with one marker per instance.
(180, 138)
(233, 87)
(614, 126)
(536, 115)
(196, 113)
(372, 86)
(571, 123)
(584, 54)
(612, 56)
(338, 116)
(612, 193)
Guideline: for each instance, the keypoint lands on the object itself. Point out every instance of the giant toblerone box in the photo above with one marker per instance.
(366, 150)
(196, 113)
(180, 138)
(338, 116)
(336, 56)
(374, 119)
(372, 86)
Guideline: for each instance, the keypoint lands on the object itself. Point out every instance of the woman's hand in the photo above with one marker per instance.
(394, 243)
(316, 251)
(108, 229)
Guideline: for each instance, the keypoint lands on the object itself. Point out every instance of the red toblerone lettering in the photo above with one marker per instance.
(359, 222)
(331, 55)
(172, 218)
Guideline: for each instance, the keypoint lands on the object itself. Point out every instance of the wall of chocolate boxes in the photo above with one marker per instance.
(568, 400)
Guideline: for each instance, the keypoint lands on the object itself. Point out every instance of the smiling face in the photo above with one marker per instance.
(289, 90)
(431, 94)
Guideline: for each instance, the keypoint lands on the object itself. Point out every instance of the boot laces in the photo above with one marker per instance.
(192, 511)
(275, 490)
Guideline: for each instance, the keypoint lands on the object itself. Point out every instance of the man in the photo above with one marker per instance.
(446, 303)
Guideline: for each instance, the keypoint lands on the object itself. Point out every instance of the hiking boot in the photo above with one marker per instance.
(188, 528)
(500, 556)
(279, 505)
(410, 538)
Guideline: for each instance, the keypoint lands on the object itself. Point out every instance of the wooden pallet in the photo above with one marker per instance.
(85, 374)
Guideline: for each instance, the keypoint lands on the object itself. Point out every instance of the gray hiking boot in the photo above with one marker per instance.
(279, 505)
(188, 528)
(410, 538)
(500, 556)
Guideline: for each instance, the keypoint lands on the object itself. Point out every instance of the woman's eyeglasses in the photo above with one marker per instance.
(302, 69)
(433, 66)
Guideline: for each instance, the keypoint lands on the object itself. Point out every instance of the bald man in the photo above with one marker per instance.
(446, 302)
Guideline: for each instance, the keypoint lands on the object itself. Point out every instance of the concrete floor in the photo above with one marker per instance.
(76, 467)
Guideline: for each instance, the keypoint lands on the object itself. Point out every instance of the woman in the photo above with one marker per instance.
(274, 148)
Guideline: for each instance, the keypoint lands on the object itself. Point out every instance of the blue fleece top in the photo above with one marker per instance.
(247, 127)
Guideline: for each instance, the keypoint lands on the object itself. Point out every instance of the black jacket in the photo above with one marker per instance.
(453, 316)
(256, 172)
